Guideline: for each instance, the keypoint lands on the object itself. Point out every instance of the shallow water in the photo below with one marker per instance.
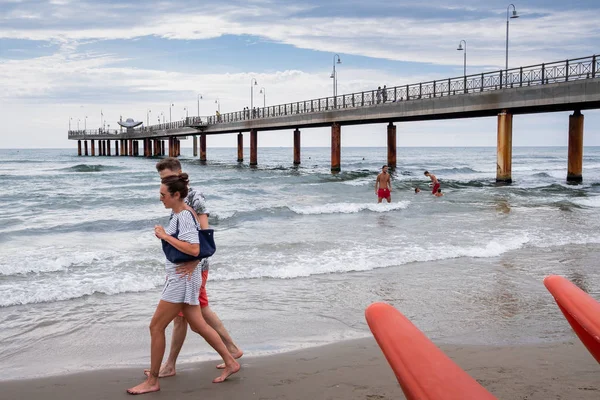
(301, 252)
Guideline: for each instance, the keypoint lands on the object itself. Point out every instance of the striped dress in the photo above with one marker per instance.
(181, 289)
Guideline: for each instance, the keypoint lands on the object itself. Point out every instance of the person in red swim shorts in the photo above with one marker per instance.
(383, 185)
(434, 181)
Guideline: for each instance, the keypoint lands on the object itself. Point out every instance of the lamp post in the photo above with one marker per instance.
(70, 119)
(253, 80)
(198, 98)
(170, 105)
(218, 103)
(148, 117)
(186, 112)
(163, 117)
(334, 74)
(263, 91)
(460, 48)
(85, 123)
(508, 16)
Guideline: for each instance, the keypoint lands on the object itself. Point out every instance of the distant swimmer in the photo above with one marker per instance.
(417, 190)
(383, 185)
(438, 193)
(434, 181)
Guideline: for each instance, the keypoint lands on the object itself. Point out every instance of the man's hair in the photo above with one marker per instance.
(416, 190)
(170, 163)
(426, 172)
(439, 190)
(383, 166)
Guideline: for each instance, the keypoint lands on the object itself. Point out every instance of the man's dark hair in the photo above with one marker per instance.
(383, 166)
(426, 172)
(439, 190)
(170, 163)
(416, 190)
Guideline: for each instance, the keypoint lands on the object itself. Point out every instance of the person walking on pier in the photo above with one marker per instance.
(172, 167)
(383, 185)
(181, 293)
(384, 93)
(378, 95)
(434, 181)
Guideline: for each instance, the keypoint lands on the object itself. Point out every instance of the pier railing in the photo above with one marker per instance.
(540, 74)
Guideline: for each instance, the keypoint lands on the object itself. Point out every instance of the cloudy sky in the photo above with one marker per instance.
(65, 61)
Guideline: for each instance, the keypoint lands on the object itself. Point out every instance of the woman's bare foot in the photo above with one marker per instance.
(145, 387)
(165, 371)
(235, 356)
(227, 371)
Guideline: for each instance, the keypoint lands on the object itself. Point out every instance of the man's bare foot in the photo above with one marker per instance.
(227, 371)
(235, 356)
(165, 371)
(144, 387)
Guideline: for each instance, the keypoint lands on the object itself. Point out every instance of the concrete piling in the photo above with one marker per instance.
(336, 147)
(504, 149)
(575, 160)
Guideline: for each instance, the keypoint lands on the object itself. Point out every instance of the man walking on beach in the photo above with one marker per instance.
(383, 185)
(168, 167)
(436, 183)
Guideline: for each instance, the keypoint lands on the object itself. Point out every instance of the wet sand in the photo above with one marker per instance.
(353, 369)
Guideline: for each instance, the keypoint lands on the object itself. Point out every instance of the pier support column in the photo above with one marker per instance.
(79, 148)
(504, 150)
(336, 147)
(195, 146)
(93, 146)
(85, 147)
(391, 146)
(104, 147)
(203, 147)
(575, 161)
(130, 147)
(116, 147)
(170, 146)
(178, 147)
(162, 148)
(297, 147)
(146, 148)
(108, 147)
(240, 142)
(253, 147)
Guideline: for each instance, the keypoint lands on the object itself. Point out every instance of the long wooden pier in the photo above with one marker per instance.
(569, 85)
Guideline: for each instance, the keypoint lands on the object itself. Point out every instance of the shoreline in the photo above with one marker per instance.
(351, 369)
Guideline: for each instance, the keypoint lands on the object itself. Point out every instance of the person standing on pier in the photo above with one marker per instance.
(171, 167)
(434, 181)
(383, 185)
(180, 293)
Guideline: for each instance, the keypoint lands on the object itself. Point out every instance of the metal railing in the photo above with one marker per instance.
(540, 74)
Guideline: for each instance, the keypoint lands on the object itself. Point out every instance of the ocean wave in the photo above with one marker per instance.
(459, 170)
(90, 168)
(349, 208)
(591, 202)
(68, 289)
(47, 264)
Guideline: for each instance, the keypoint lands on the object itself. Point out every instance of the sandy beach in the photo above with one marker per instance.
(354, 369)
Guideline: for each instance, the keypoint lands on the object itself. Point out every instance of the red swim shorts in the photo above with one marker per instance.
(383, 193)
(203, 298)
(435, 188)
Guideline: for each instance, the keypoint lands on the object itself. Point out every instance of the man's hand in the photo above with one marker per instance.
(187, 269)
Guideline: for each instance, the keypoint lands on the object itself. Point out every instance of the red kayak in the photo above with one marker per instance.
(423, 371)
(581, 310)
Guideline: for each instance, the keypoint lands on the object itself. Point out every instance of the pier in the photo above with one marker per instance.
(568, 85)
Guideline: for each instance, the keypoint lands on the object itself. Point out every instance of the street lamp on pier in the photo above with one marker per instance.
(70, 119)
(264, 93)
(186, 112)
(85, 123)
(253, 80)
(218, 103)
(198, 98)
(509, 16)
(170, 105)
(163, 117)
(334, 73)
(148, 117)
(460, 48)
(78, 119)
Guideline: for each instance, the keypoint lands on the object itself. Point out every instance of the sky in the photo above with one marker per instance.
(77, 64)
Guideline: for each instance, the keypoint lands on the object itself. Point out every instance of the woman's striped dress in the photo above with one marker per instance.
(182, 289)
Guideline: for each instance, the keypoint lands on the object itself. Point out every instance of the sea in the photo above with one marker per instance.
(301, 252)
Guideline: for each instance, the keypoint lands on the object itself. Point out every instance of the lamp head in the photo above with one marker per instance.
(514, 14)
(339, 61)
(460, 48)
(260, 91)
(332, 76)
